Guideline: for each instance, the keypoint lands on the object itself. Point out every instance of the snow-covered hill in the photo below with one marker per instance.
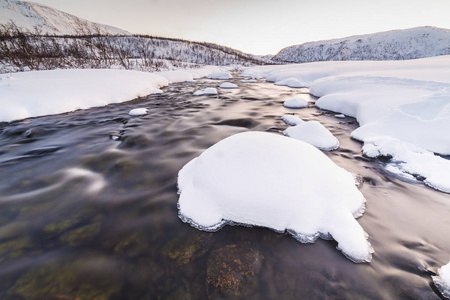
(390, 45)
(28, 16)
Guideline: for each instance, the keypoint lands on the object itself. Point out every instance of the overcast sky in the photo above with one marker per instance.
(259, 26)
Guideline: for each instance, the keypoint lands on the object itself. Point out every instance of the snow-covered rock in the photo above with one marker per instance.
(249, 81)
(224, 75)
(391, 45)
(291, 82)
(228, 85)
(292, 120)
(206, 91)
(264, 179)
(138, 112)
(296, 102)
(314, 133)
(442, 280)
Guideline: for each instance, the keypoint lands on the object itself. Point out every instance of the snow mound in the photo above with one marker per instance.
(339, 116)
(249, 81)
(442, 281)
(206, 91)
(295, 102)
(228, 85)
(138, 112)
(292, 120)
(313, 133)
(225, 75)
(238, 181)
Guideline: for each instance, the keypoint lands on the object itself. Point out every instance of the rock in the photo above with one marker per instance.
(232, 271)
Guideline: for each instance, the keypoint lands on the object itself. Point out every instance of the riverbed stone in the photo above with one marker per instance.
(232, 271)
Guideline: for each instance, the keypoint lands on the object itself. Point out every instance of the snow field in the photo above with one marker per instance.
(238, 180)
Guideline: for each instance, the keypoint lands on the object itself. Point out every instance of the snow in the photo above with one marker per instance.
(221, 75)
(314, 133)
(28, 15)
(249, 81)
(138, 112)
(442, 281)
(291, 82)
(292, 120)
(265, 179)
(228, 85)
(340, 116)
(402, 107)
(295, 102)
(176, 76)
(206, 91)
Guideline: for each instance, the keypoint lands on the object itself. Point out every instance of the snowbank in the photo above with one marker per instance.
(403, 101)
(268, 180)
(222, 75)
(442, 281)
(314, 133)
(32, 94)
(296, 102)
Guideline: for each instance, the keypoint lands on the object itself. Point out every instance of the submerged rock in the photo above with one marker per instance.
(232, 271)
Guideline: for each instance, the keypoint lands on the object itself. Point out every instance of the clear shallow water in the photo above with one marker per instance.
(88, 210)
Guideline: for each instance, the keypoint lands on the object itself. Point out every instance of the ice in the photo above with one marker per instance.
(442, 280)
(292, 120)
(228, 85)
(314, 133)
(295, 102)
(138, 112)
(265, 179)
(403, 101)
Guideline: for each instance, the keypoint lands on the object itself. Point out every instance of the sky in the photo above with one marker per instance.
(258, 26)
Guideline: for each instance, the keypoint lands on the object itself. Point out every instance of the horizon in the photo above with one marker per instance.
(258, 27)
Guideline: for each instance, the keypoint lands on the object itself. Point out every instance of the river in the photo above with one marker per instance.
(88, 209)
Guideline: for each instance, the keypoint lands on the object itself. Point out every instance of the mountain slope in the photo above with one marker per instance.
(390, 45)
(28, 15)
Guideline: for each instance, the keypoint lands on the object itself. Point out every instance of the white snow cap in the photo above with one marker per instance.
(296, 102)
(138, 112)
(314, 133)
(264, 179)
(442, 281)
(228, 85)
(292, 120)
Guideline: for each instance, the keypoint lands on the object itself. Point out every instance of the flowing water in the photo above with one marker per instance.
(88, 209)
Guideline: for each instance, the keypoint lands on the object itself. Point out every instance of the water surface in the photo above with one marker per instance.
(88, 209)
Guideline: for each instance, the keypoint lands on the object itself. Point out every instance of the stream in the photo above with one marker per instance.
(88, 209)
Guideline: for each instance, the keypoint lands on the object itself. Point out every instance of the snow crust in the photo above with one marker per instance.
(228, 85)
(402, 107)
(442, 280)
(296, 102)
(138, 112)
(314, 133)
(264, 179)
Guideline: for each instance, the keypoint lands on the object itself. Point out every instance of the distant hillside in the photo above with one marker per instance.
(28, 16)
(37, 37)
(391, 45)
